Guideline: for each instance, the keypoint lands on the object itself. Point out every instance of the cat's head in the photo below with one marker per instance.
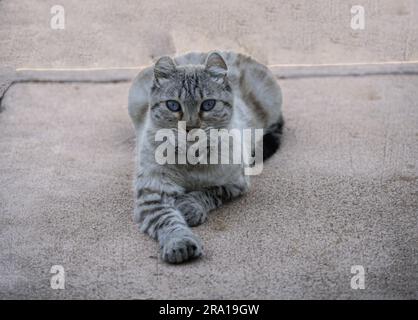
(200, 95)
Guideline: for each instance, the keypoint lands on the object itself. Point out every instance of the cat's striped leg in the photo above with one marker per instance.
(195, 205)
(157, 216)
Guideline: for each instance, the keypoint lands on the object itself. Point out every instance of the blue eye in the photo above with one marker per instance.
(208, 105)
(173, 105)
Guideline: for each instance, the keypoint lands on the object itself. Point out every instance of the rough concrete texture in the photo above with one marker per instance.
(109, 33)
(342, 191)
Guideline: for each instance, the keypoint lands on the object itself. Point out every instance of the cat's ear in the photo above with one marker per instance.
(164, 69)
(216, 66)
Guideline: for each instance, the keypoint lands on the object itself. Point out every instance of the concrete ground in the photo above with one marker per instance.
(342, 190)
(109, 33)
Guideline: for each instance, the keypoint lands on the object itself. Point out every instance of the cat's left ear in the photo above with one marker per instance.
(216, 66)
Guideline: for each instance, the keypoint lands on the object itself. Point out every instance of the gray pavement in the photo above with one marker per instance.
(342, 190)
(109, 33)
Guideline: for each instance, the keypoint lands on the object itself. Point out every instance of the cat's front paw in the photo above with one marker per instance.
(193, 212)
(180, 247)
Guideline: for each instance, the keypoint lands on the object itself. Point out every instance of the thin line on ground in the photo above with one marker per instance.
(305, 65)
(128, 73)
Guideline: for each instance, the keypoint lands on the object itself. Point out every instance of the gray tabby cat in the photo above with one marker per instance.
(209, 91)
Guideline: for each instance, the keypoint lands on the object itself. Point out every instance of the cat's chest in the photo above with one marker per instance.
(209, 176)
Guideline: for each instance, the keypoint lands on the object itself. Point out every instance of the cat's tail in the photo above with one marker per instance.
(271, 140)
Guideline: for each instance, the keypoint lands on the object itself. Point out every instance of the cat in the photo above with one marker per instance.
(216, 90)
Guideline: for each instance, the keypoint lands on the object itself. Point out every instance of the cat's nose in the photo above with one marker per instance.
(192, 125)
(190, 128)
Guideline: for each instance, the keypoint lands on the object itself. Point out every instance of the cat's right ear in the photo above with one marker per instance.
(164, 69)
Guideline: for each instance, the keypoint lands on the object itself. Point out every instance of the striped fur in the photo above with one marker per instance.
(170, 199)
